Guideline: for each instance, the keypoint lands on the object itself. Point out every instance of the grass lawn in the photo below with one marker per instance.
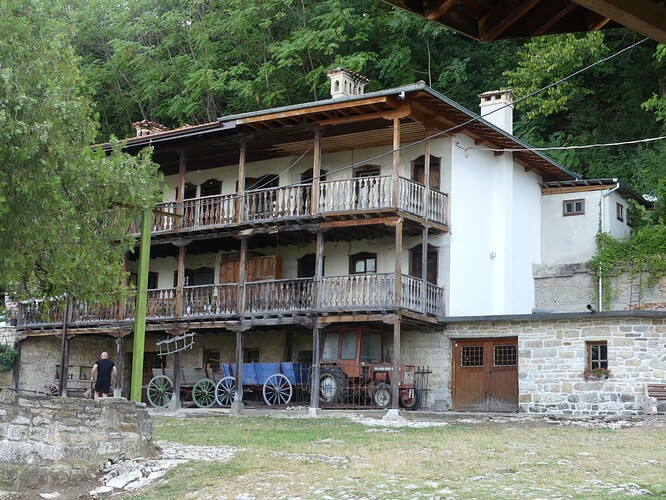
(341, 458)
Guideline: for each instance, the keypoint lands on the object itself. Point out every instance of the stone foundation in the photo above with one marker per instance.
(49, 440)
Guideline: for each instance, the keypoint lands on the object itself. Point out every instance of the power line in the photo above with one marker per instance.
(560, 148)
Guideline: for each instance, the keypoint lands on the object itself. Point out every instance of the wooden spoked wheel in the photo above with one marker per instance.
(225, 391)
(203, 393)
(48, 389)
(277, 390)
(160, 391)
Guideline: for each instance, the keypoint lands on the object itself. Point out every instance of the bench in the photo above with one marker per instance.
(655, 393)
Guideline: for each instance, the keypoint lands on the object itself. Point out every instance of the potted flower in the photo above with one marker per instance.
(596, 374)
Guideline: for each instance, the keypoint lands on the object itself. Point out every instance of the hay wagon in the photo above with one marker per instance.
(276, 382)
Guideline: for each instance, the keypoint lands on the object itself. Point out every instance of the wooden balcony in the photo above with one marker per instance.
(348, 196)
(338, 295)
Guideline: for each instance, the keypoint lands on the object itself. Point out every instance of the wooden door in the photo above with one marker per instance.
(418, 171)
(230, 271)
(485, 375)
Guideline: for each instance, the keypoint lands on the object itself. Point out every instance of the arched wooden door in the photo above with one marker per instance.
(485, 375)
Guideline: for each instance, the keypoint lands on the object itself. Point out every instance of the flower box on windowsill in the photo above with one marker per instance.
(594, 374)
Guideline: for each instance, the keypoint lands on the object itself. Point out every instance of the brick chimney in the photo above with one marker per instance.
(500, 104)
(345, 83)
(146, 127)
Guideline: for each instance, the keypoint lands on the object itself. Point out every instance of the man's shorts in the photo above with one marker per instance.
(102, 386)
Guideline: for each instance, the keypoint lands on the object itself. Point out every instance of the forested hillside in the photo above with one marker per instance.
(178, 61)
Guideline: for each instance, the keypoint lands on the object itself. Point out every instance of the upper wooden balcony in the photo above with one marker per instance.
(338, 295)
(342, 197)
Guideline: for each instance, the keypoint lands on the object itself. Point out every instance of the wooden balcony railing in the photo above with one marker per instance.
(347, 195)
(362, 193)
(339, 294)
(274, 203)
(357, 291)
(211, 300)
(279, 296)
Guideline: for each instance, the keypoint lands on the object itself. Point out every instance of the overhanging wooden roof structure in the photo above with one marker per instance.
(487, 20)
(354, 122)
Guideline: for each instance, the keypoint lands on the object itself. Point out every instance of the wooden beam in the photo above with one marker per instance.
(645, 16)
(547, 15)
(574, 189)
(310, 109)
(594, 21)
(502, 16)
(435, 9)
(389, 221)
(384, 115)
(356, 318)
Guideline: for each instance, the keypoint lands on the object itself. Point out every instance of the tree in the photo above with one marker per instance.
(65, 208)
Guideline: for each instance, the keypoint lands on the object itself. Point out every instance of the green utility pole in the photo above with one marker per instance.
(141, 301)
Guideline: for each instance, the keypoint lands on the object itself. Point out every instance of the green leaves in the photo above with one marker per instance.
(66, 208)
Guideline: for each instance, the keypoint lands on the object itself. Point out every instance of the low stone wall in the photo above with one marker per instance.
(49, 440)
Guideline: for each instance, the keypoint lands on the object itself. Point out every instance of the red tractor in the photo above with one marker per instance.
(356, 368)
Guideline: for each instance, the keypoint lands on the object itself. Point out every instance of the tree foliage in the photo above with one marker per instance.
(64, 207)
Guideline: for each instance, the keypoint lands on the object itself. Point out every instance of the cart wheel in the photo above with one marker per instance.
(160, 391)
(410, 399)
(381, 395)
(225, 391)
(48, 389)
(277, 390)
(203, 393)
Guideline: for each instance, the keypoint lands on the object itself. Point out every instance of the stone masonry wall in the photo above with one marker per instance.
(552, 357)
(47, 440)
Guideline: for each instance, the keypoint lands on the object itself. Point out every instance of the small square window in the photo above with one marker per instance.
(363, 263)
(212, 359)
(619, 212)
(251, 355)
(573, 207)
(597, 354)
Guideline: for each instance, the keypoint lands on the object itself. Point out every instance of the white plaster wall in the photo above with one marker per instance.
(570, 239)
(613, 226)
(526, 238)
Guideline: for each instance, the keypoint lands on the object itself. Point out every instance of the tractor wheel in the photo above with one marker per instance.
(381, 395)
(331, 384)
(410, 399)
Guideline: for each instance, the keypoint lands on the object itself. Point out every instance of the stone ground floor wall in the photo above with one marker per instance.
(552, 355)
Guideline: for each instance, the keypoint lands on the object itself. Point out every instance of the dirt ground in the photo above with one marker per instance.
(172, 454)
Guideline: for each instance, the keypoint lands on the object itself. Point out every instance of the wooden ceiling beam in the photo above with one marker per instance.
(385, 115)
(501, 17)
(546, 16)
(435, 9)
(645, 16)
(594, 21)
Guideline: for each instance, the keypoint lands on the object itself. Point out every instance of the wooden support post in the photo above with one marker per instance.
(177, 365)
(180, 284)
(426, 176)
(398, 265)
(120, 365)
(64, 353)
(237, 404)
(316, 173)
(396, 162)
(242, 275)
(16, 370)
(240, 190)
(141, 302)
(120, 316)
(316, 369)
(395, 379)
(424, 270)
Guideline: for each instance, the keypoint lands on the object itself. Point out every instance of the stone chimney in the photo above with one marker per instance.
(345, 83)
(497, 108)
(146, 127)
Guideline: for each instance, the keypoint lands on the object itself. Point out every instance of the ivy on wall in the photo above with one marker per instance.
(642, 257)
(8, 356)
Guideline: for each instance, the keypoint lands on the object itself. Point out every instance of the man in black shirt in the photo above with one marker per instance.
(106, 372)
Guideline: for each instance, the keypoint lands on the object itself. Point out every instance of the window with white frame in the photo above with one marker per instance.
(597, 354)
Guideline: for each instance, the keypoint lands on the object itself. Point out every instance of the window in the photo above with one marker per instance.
(363, 263)
(152, 280)
(251, 355)
(505, 355)
(471, 355)
(330, 351)
(371, 347)
(212, 359)
(573, 207)
(597, 354)
(306, 265)
(348, 350)
(211, 187)
(367, 171)
(196, 277)
(619, 211)
(418, 171)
